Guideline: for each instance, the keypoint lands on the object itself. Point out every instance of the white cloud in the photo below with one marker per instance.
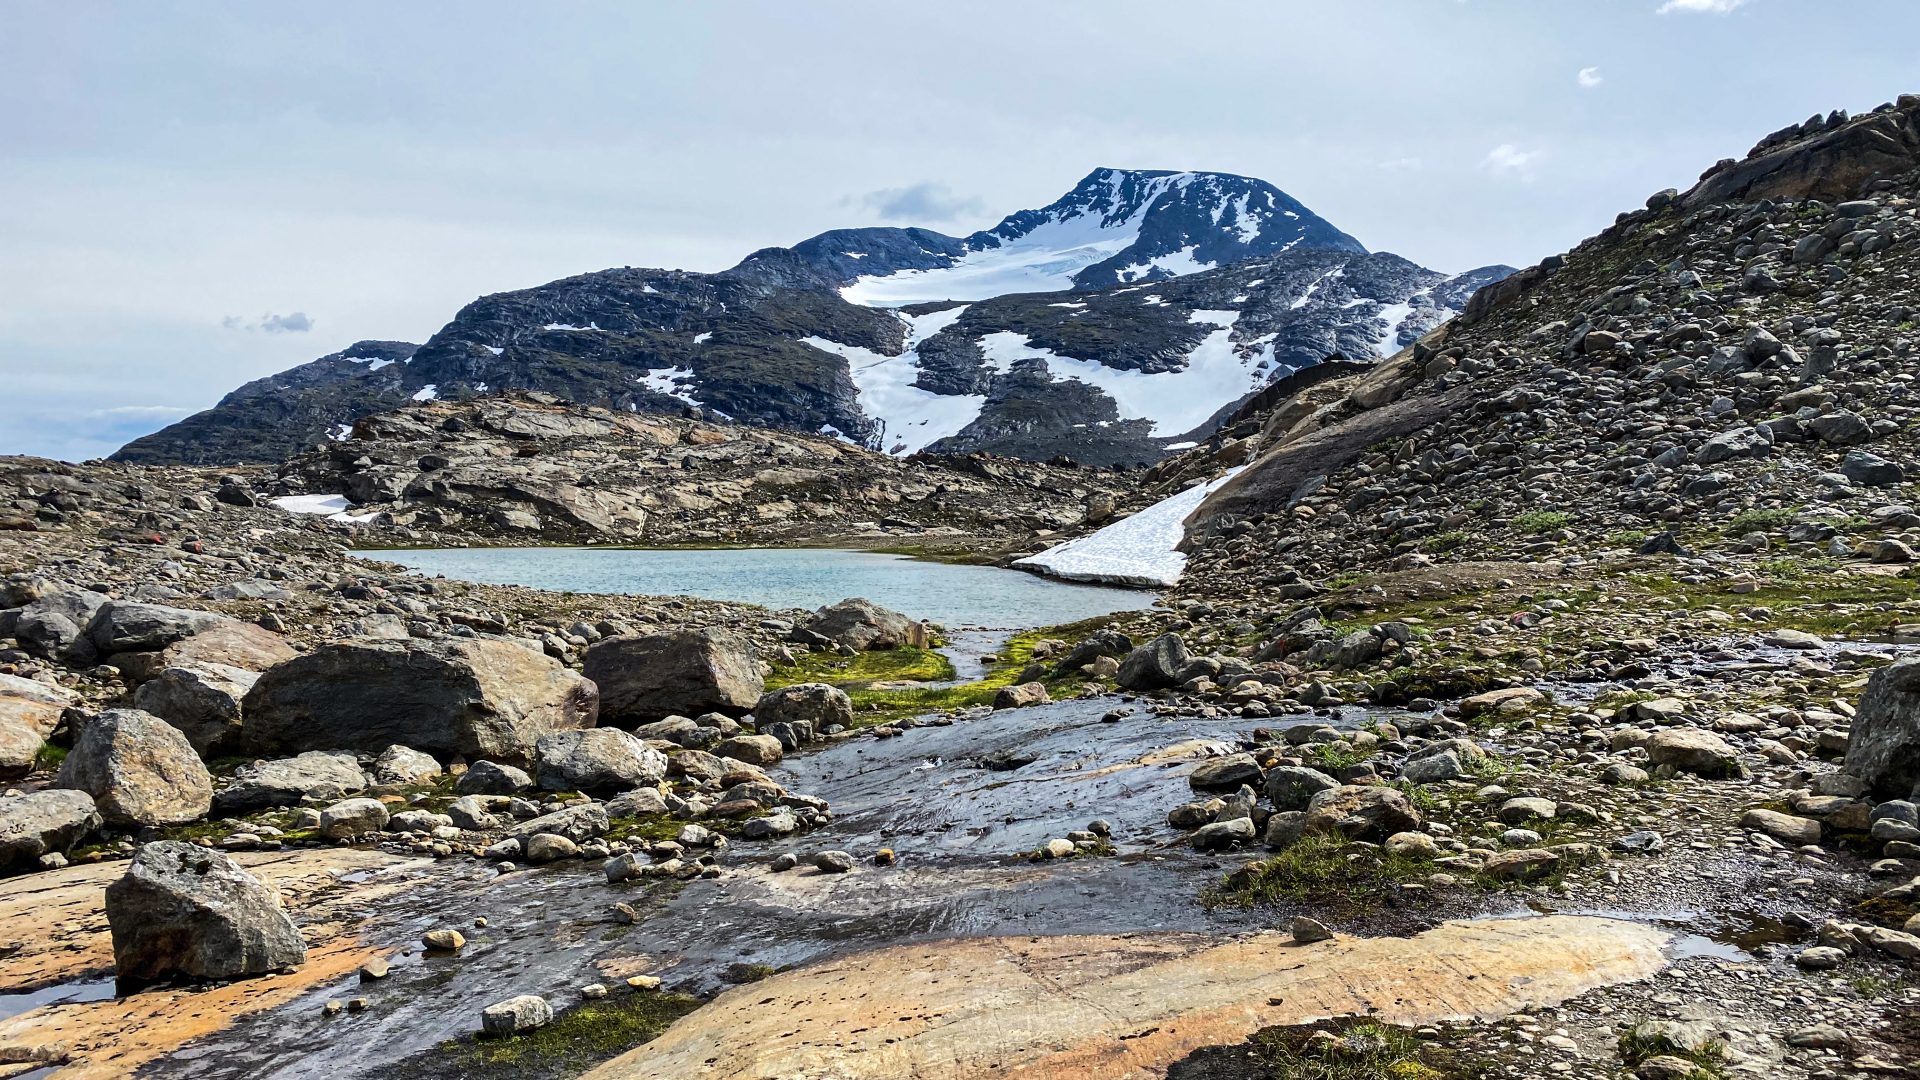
(1590, 77)
(926, 201)
(298, 322)
(1509, 160)
(1700, 7)
(1403, 164)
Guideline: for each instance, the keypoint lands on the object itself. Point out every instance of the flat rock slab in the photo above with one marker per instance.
(1089, 1007)
(53, 930)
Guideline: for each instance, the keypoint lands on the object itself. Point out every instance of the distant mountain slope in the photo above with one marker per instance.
(1175, 295)
(272, 419)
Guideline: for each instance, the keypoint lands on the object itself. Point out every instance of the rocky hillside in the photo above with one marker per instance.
(1730, 365)
(529, 467)
(1187, 291)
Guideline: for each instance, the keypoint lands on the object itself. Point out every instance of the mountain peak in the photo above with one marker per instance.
(1115, 227)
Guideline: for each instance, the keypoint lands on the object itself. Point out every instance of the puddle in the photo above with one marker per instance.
(66, 993)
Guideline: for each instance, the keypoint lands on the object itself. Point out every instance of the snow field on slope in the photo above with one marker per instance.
(1136, 550)
(1043, 260)
(911, 419)
(1175, 401)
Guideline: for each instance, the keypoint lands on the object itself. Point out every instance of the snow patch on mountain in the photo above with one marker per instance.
(670, 381)
(1142, 549)
(910, 418)
(1044, 259)
(1216, 372)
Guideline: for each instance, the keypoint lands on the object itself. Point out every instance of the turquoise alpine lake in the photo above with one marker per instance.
(953, 596)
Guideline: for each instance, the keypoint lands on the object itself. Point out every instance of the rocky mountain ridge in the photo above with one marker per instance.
(792, 338)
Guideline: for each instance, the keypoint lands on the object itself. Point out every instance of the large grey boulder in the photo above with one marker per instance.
(29, 711)
(139, 769)
(39, 822)
(1746, 442)
(472, 697)
(1155, 665)
(315, 776)
(403, 765)
(1291, 787)
(188, 912)
(815, 704)
(598, 760)
(55, 625)
(1361, 813)
(578, 823)
(352, 818)
(515, 1016)
(862, 624)
(685, 673)
(203, 700)
(1225, 773)
(492, 778)
(1694, 750)
(1883, 748)
(129, 626)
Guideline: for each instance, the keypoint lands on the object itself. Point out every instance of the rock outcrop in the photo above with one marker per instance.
(684, 673)
(40, 823)
(475, 697)
(139, 769)
(1884, 746)
(187, 912)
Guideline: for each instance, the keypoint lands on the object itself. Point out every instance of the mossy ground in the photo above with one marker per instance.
(1338, 1049)
(881, 704)
(1335, 875)
(1709, 1062)
(582, 1036)
(905, 664)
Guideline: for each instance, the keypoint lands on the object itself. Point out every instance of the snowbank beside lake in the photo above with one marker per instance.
(1136, 550)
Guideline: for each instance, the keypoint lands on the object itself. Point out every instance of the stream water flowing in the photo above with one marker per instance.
(962, 833)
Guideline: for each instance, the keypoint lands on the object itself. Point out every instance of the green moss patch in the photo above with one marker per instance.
(580, 1037)
(906, 664)
(1336, 875)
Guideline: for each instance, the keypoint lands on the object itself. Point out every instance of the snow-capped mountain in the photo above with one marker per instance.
(1115, 227)
(1114, 324)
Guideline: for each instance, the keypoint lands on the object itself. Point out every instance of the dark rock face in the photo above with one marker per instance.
(42, 822)
(139, 769)
(1155, 665)
(1884, 747)
(473, 697)
(862, 624)
(188, 912)
(686, 673)
(55, 626)
(271, 419)
(1824, 157)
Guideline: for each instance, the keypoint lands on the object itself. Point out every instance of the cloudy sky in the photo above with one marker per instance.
(197, 194)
